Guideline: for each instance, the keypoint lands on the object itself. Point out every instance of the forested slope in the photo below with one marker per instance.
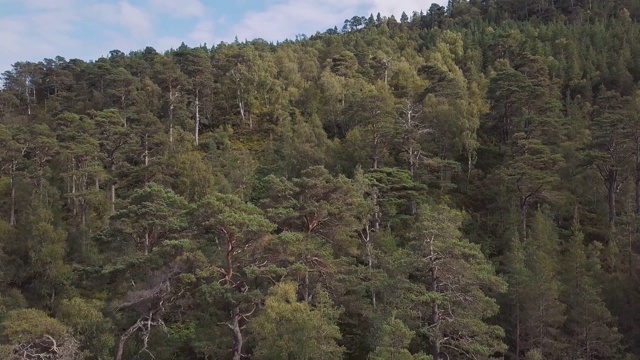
(465, 181)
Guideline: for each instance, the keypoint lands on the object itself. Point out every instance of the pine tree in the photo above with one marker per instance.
(393, 343)
(287, 328)
(457, 279)
(589, 324)
(537, 312)
(241, 229)
(152, 215)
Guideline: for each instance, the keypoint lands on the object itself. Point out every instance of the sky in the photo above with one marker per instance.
(31, 30)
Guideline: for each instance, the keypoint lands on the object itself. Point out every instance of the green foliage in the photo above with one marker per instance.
(88, 324)
(11, 299)
(450, 266)
(291, 329)
(589, 323)
(538, 312)
(394, 340)
(30, 333)
(46, 253)
(152, 214)
(25, 325)
(224, 202)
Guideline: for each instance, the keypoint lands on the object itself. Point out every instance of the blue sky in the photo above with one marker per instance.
(31, 30)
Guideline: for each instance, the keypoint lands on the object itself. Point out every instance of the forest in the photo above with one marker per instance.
(461, 183)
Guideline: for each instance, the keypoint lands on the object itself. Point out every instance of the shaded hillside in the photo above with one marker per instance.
(465, 181)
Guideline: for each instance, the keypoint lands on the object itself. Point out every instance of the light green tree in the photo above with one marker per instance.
(533, 272)
(152, 214)
(240, 230)
(288, 329)
(31, 334)
(458, 281)
(88, 324)
(394, 339)
(589, 325)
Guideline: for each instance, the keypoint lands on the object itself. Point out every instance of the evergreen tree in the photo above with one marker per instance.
(290, 329)
(589, 324)
(457, 279)
(394, 340)
(208, 202)
(537, 311)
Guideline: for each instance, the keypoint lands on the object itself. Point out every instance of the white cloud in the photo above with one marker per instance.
(139, 22)
(87, 29)
(34, 37)
(71, 28)
(52, 24)
(202, 33)
(49, 4)
(396, 7)
(164, 43)
(179, 9)
(285, 19)
(11, 42)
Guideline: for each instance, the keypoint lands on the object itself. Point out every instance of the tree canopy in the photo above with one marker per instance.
(460, 183)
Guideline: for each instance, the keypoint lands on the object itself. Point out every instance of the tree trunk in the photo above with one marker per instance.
(171, 125)
(146, 158)
(125, 336)
(12, 220)
(307, 299)
(113, 189)
(146, 242)
(368, 246)
(523, 218)
(241, 106)
(12, 216)
(197, 117)
(435, 314)
(124, 118)
(376, 213)
(83, 188)
(412, 162)
(172, 97)
(83, 212)
(435, 318)
(123, 340)
(73, 192)
(40, 179)
(517, 336)
(370, 265)
(229, 258)
(637, 183)
(237, 333)
(375, 153)
(611, 197)
(113, 198)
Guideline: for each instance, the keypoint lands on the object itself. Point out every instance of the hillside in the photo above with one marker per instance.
(462, 182)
